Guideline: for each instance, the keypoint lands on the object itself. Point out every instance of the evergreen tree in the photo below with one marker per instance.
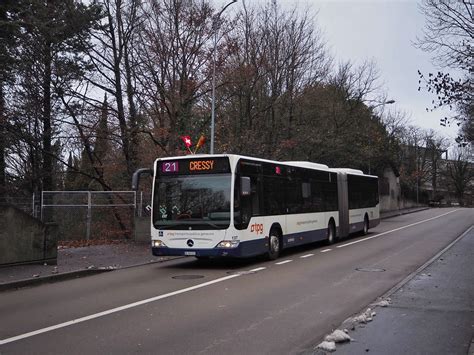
(52, 50)
(9, 30)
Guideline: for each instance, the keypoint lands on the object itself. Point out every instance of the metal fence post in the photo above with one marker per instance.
(135, 203)
(42, 204)
(89, 215)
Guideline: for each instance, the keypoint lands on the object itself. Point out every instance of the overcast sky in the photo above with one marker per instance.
(382, 30)
(385, 31)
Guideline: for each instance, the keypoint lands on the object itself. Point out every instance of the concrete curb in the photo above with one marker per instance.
(402, 212)
(50, 278)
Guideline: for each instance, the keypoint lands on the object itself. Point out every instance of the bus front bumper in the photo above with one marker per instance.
(243, 250)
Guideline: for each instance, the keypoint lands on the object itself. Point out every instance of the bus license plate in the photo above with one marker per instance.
(190, 253)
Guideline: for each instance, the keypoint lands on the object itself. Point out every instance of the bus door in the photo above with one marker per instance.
(251, 203)
(343, 205)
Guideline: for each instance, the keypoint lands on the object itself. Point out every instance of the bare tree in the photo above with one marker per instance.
(272, 56)
(448, 36)
(174, 54)
(460, 174)
(110, 52)
(449, 32)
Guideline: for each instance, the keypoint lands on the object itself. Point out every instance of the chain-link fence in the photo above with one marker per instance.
(92, 214)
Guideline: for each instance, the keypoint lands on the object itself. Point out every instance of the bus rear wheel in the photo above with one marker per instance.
(366, 225)
(274, 246)
(331, 233)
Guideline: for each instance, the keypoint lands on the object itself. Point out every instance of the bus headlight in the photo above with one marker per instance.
(158, 243)
(228, 244)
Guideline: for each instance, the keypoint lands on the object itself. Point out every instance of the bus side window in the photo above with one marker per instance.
(255, 196)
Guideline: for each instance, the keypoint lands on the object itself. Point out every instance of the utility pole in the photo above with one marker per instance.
(215, 28)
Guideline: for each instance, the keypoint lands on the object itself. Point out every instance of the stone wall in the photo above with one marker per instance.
(25, 239)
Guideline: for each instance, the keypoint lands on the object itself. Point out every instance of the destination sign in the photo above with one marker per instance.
(194, 166)
(201, 165)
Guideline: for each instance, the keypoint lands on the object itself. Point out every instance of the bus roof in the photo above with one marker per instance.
(351, 172)
(348, 171)
(302, 164)
(307, 164)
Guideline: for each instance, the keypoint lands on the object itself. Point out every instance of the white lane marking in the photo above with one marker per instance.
(114, 310)
(306, 256)
(257, 269)
(284, 262)
(325, 250)
(394, 230)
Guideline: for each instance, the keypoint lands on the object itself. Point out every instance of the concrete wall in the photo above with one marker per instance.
(142, 229)
(391, 199)
(25, 239)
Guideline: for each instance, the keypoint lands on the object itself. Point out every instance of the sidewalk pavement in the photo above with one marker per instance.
(430, 313)
(77, 262)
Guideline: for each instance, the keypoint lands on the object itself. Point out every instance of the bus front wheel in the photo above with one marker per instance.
(273, 246)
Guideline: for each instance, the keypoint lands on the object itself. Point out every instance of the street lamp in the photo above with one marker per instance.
(215, 22)
(389, 102)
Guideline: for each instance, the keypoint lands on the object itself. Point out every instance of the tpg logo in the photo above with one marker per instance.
(257, 228)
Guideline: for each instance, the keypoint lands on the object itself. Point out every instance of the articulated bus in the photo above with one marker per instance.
(236, 206)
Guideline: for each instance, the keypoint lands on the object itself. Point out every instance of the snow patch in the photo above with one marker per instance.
(338, 336)
(383, 303)
(364, 317)
(327, 346)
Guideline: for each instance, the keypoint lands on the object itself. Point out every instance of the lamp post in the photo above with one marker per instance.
(215, 22)
(389, 102)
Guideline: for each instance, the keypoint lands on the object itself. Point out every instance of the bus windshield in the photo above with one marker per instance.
(192, 202)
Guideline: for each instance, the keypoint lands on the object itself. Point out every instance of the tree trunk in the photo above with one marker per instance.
(117, 54)
(47, 172)
(132, 112)
(3, 122)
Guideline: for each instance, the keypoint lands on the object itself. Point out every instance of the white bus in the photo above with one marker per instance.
(236, 206)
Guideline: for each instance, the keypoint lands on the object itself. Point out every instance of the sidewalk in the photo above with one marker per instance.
(76, 262)
(432, 313)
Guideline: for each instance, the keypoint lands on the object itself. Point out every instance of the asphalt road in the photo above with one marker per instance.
(246, 307)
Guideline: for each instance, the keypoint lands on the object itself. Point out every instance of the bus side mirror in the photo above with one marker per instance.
(245, 187)
(136, 177)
